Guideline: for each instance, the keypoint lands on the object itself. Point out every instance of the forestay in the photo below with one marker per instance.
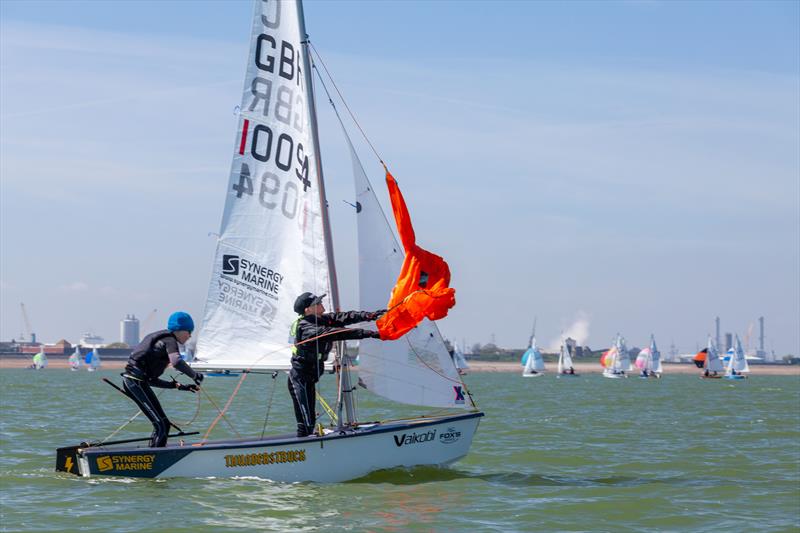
(415, 369)
(271, 242)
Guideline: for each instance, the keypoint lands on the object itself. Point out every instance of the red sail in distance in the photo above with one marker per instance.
(422, 289)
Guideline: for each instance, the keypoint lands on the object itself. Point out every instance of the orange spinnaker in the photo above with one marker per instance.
(422, 289)
(701, 355)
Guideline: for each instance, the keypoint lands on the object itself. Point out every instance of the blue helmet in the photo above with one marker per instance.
(180, 321)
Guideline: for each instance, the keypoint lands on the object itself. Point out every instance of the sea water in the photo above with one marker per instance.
(582, 454)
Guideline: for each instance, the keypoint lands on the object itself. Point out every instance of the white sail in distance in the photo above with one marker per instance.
(416, 368)
(623, 360)
(655, 357)
(738, 360)
(564, 359)
(271, 244)
(713, 362)
(459, 359)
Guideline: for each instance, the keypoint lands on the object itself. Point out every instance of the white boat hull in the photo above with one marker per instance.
(612, 375)
(539, 374)
(332, 458)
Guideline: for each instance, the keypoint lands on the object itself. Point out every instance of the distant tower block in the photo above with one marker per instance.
(728, 341)
(129, 330)
(716, 339)
(761, 352)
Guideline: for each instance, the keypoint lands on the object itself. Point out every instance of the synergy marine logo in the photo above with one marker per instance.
(250, 274)
(230, 265)
(125, 462)
(104, 463)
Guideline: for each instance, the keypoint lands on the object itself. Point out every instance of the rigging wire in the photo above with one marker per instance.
(352, 115)
(269, 404)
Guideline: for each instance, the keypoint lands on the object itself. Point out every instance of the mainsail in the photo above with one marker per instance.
(655, 357)
(713, 363)
(415, 369)
(272, 243)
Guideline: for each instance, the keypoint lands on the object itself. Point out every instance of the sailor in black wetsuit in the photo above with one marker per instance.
(148, 361)
(313, 335)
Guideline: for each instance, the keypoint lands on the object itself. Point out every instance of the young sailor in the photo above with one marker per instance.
(148, 361)
(313, 335)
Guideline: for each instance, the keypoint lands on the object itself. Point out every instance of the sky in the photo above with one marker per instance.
(598, 167)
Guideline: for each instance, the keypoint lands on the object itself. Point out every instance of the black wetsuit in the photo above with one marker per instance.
(146, 364)
(308, 358)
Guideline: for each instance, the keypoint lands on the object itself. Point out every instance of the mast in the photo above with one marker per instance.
(344, 373)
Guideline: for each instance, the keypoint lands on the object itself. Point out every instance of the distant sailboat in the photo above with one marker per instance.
(616, 360)
(737, 364)
(39, 360)
(565, 363)
(534, 362)
(75, 360)
(460, 360)
(92, 360)
(708, 359)
(649, 361)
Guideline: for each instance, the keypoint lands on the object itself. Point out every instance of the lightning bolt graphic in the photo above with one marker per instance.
(68, 464)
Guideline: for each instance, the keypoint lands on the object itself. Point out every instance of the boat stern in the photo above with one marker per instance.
(67, 460)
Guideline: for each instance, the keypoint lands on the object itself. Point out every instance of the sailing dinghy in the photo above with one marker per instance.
(533, 361)
(565, 368)
(93, 360)
(75, 360)
(274, 244)
(649, 361)
(616, 361)
(708, 359)
(737, 364)
(39, 360)
(460, 361)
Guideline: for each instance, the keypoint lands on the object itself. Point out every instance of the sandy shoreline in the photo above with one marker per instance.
(474, 366)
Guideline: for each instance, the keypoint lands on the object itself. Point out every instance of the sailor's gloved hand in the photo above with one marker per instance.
(377, 314)
(373, 335)
(190, 388)
(198, 378)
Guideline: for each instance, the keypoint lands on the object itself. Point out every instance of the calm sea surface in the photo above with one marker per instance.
(588, 454)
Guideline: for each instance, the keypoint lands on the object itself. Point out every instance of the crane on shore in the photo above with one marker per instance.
(27, 334)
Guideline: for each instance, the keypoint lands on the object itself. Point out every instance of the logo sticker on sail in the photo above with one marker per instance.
(230, 265)
(251, 274)
(459, 394)
(449, 436)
